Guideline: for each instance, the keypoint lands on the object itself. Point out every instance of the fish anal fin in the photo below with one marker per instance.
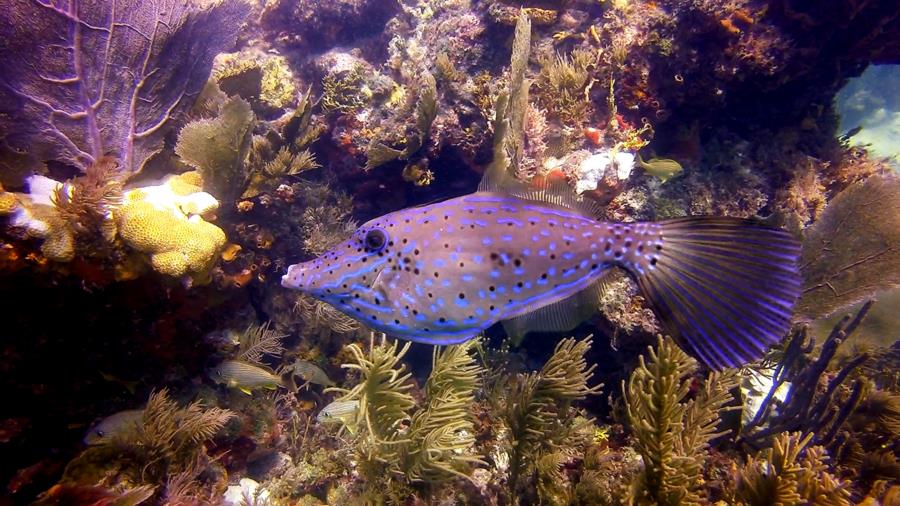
(562, 315)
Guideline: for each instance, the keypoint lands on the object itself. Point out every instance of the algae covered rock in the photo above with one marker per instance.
(35, 214)
(166, 222)
(252, 74)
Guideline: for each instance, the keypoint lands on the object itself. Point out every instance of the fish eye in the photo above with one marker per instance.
(375, 239)
(100, 433)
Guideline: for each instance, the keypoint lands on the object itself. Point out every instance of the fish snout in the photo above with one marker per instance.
(295, 277)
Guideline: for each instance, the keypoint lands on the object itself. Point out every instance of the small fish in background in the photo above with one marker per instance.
(663, 168)
(119, 425)
(344, 413)
(245, 377)
(130, 386)
(311, 373)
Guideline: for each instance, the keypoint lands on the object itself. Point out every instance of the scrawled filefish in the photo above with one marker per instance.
(535, 259)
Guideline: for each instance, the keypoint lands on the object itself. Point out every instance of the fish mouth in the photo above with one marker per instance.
(293, 278)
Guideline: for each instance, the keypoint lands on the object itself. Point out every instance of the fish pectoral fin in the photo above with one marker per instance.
(245, 390)
(562, 315)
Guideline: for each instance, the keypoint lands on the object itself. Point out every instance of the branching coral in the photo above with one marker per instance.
(791, 473)
(672, 432)
(268, 167)
(319, 317)
(436, 444)
(167, 440)
(345, 92)
(382, 393)
(542, 423)
(806, 406)
(511, 105)
(259, 340)
(86, 203)
(218, 147)
(564, 84)
(326, 222)
(441, 433)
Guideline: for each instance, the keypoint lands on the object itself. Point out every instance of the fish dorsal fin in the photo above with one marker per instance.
(555, 192)
(562, 315)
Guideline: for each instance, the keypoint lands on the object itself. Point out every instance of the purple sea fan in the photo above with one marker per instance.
(83, 79)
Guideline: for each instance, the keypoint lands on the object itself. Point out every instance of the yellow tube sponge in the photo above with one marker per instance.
(166, 222)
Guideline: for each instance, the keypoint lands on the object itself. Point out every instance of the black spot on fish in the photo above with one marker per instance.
(415, 271)
(517, 262)
(462, 296)
(492, 288)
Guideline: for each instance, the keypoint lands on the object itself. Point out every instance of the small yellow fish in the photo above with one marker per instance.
(115, 426)
(663, 168)
(340, 412)
(245, 377)
(131, 386)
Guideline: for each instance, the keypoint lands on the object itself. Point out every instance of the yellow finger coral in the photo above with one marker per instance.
(166, 222)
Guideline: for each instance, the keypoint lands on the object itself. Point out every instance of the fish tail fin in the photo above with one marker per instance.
(724, 287)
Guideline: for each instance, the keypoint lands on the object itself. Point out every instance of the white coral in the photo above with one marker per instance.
(594, 168)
